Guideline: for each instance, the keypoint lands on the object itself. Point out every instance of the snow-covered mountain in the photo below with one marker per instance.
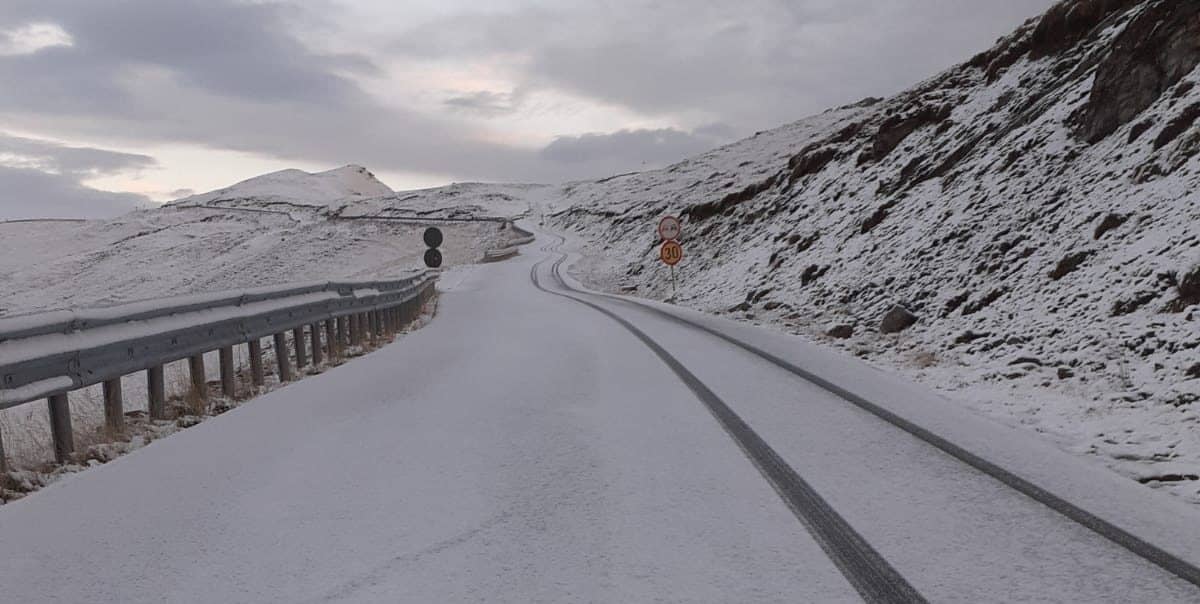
(276, 228)
(1035, 209)
(295, 187)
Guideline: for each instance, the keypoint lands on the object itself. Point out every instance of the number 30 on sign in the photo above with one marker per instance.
(671, 253)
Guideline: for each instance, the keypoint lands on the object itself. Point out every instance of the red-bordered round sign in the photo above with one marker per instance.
(671, 253)
(669, 228)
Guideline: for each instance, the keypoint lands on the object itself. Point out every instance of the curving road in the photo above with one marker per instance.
(536, 443)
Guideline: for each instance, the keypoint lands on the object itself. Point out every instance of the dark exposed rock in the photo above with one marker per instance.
(802, 245)
(984, 302)
(897, 320)
(707, 210)
(1139, 129)
(1066, 23)
(1026, 361)
(812, 273)
(1193, 371)
(1065, 373)
(1188, 287)
(841, 332)
(1110, 222)
(1178, 125)
(1155, 51)
(1069, 264)
(895, 129)
(1127, 306)
(810, 162)
(969, 336)
(878, 216)
(954, 303)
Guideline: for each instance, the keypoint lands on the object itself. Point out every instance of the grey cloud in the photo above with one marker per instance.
(77, 162)
(484, 102)
(234, 75)
(45, 181)
(752, 64)
(29, 193)
(229, 48)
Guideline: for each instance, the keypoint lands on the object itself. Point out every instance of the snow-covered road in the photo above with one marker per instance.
(525, 447)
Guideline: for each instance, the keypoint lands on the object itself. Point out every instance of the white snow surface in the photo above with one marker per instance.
(296, 187)
(453, 467)
(964, 221)
(195, 250)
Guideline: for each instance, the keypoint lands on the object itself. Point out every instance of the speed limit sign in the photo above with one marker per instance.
(671, 253)
(669, 228)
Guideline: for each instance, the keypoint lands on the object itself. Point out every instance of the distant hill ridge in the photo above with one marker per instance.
(299, 187)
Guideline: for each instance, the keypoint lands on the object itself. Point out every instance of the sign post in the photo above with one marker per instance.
(671, 252)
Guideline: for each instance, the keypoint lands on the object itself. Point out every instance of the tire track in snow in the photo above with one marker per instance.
(866, 570)
(1164, 559)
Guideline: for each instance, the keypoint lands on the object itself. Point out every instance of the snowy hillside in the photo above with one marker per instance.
(1034, 209)
(174, 251)
(460, 200)
(295, 187)
(277, 228)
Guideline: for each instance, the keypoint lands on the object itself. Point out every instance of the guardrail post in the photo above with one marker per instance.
(199, 376)
(301, 353)
(60, 427)
(114, 411)
(363, 327)
(373, 321)
(256, 366)
(331, 345)
(156, 390)
(353, 329)
(228, 373)
(314, 331)
(343, 332)
(281, 358)
(3, 457)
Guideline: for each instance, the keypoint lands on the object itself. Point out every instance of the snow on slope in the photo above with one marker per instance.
(182, 250)
(295, 187)
(1034, 208)
(459, 200)
(275, 228)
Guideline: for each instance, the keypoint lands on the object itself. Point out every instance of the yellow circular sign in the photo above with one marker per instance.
(671, 253)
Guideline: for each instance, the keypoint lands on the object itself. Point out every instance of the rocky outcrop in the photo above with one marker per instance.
(897, 320)
(1154, 52)
(896, 128)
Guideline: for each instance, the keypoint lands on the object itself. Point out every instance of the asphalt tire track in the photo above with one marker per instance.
(1162, 558)
(866, 570)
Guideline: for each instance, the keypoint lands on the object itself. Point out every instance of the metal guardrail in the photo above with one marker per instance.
(419, 219)
(513, 247)
(46, 355)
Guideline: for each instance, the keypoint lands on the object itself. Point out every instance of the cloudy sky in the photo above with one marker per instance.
(107, 105)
